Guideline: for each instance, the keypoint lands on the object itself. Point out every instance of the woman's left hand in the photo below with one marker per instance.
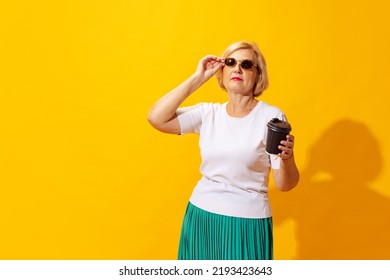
(286, 147)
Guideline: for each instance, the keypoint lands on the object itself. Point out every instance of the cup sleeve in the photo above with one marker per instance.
(275, 161)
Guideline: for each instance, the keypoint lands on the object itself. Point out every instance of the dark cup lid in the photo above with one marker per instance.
(278, 125)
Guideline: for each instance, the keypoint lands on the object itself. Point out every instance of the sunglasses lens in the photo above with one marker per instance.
(230, 62)
(246, 64)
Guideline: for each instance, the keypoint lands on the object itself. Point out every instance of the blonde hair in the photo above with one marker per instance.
(262, 80)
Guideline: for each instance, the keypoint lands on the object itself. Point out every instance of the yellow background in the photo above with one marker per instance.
(84, 176)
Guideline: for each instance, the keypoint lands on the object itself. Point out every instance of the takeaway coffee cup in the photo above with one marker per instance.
(277, 131)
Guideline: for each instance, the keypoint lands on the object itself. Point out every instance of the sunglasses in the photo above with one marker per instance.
(244, 64)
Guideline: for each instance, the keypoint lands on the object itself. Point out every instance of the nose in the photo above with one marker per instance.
(237, 68)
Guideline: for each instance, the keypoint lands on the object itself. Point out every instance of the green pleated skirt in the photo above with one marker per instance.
(210, 236)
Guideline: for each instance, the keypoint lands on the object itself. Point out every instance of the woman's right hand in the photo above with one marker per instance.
(208, 66)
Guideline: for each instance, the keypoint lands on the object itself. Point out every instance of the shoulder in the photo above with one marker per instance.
(271, 110)
(268, 112)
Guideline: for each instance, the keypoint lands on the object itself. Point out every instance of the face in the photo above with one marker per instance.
(236, 79)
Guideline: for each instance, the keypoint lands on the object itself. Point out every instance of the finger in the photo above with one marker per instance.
(285, 149)
(287, 144)
(290, 137)
(283, 155)
(286, 152)
(209, 63)
(215, 62)
(210, 58)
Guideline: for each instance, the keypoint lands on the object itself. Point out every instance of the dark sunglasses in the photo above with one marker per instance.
(244, 64)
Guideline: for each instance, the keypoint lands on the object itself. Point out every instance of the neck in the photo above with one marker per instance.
(240, 106)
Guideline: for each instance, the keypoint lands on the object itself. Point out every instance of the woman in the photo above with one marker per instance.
(228, 215)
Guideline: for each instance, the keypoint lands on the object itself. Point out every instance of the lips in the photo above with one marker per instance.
(236, 79)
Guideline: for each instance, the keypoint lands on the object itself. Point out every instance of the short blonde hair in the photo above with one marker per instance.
(262, 80)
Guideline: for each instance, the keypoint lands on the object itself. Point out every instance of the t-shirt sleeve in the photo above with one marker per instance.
(190, 118)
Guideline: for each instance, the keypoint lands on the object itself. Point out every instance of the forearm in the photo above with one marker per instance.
(287, 176)
(165, 108)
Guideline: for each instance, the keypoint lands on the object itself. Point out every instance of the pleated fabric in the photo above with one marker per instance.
(210, 236)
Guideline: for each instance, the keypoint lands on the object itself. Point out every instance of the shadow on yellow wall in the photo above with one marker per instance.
(336, 213)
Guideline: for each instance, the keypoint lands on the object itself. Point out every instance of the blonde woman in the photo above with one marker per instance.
(228, 216)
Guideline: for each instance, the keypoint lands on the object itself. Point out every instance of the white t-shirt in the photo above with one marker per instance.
(235, 167)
